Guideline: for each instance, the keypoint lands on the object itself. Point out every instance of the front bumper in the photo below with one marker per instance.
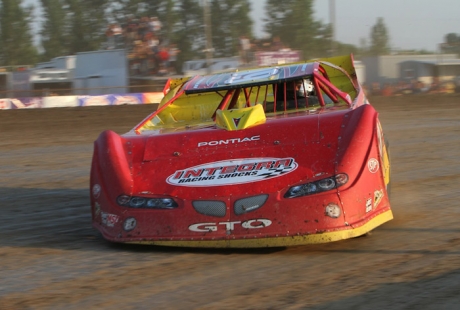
(278, 241)
(281, 222)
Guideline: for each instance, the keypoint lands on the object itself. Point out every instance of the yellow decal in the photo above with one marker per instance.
(238, 119)
(378, 195)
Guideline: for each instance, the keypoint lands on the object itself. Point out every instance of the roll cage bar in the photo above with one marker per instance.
(259, 93)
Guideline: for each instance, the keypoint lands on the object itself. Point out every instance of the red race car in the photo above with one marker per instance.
(276, 156)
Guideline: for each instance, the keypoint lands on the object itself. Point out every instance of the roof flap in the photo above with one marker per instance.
(250, 77)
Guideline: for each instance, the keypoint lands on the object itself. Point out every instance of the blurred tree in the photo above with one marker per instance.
(277, 15)
(230, 19)
(363, 44)
(379, 39)
(54, 37)
(346, 49)
(451, 43)
(170, 18)
(87, 24)
(324, 44)
(188, 31)
(452, 38)
(182, 22)
(166, 11)
(16, 39)
(302, 28)
(219, 34)
(293, 23)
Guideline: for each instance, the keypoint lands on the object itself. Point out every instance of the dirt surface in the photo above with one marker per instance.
(51, 258)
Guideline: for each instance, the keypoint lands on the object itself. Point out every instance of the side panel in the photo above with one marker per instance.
(113, 163)
(110, 177)
(359, 156)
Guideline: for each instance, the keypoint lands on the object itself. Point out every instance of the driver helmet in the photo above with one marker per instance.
(306, 88)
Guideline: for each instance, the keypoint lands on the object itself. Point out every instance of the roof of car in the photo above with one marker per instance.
(249, 77)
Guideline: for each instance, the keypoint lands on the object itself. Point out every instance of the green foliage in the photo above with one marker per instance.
(379, 39)
(229, 20)
(72, 26)
(16, 41)
(166, 10)
(188, 31)
(293, 22)
(346, 49)
(451, 43)
(87, 24)
(54, 29)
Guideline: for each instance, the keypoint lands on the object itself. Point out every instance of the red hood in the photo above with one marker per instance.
(299, 148)
(213, 140)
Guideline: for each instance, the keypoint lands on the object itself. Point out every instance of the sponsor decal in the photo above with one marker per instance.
(229, 226)
(245, 77)
(197, 84)
(373, 165)
(96, 191)
(235, 171)
(236, 121)
(129, 224)
(21, 103)
(108, 219)
(4, 104)
(94, 100)
(368, 205)
(118, 100)
(378, 195)
(152, 97)
(229, 141)
(256, 75)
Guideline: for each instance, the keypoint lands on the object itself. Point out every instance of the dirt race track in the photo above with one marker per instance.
(51, 258)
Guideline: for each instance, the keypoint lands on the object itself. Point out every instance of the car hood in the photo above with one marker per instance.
(212, 141)
(293, 148)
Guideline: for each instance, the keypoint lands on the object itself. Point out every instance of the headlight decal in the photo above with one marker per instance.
(137, 202)
(318, 186)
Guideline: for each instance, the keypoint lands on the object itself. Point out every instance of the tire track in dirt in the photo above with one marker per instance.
(51, 258)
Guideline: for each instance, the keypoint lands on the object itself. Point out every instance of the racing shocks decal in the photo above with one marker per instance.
(236, 171)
